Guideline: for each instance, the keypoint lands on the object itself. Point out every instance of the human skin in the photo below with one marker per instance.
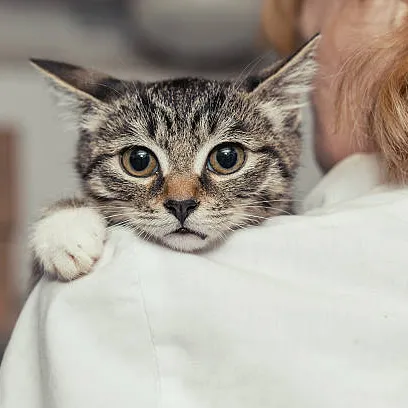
(347, 26)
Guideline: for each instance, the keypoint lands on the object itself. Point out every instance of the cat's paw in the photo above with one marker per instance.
(68, 242)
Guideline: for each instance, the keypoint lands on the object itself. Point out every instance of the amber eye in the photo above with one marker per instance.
(139, 162)
(226, 159)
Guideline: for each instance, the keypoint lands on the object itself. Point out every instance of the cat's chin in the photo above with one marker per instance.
(185, 242)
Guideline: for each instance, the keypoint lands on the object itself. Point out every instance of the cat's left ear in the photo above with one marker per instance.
(288, 82)
(78, 83)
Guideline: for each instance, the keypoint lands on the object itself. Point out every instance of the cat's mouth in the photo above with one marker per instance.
(187, 231)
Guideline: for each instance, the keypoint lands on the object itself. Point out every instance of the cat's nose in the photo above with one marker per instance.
(181, 209)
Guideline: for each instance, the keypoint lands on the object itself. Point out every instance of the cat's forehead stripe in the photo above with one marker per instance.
(170, 119)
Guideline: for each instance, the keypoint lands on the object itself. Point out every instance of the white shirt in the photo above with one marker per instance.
(307, 311)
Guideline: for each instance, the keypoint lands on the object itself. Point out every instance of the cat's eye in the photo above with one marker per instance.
(226, 159)
(139, 162)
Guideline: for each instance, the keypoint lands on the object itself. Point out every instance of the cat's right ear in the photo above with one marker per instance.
(287, 82)
(76, 82)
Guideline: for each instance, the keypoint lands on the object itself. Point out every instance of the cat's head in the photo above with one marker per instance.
(187, 161)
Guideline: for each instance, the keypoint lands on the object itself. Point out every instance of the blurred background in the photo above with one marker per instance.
(139, 39)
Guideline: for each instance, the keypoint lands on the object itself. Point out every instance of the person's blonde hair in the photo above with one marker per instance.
(375, 81)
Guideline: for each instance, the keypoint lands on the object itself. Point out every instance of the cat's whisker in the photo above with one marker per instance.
(133, 228)
(108, 87)
(252, 207)
(254, 217)
(108, 217)
(287, 201)
(266, 205)
(236, 226)
(120, 224)
(280, 211)
(247, 70)
(282, 200)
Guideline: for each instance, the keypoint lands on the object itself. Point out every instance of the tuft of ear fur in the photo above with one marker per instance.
(288, 82)
(77, 82)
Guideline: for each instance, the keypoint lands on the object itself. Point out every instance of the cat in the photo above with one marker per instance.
(181, 162)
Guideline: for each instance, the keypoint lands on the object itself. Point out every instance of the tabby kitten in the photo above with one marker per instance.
(182, 162)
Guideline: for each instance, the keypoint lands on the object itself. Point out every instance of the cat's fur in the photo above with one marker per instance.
(181, 121)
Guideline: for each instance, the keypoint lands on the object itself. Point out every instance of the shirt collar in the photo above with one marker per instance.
(352, 178)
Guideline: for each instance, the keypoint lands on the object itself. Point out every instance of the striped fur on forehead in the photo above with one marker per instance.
(181, 121)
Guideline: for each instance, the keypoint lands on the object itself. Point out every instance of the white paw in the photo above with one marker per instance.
(69, 242)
